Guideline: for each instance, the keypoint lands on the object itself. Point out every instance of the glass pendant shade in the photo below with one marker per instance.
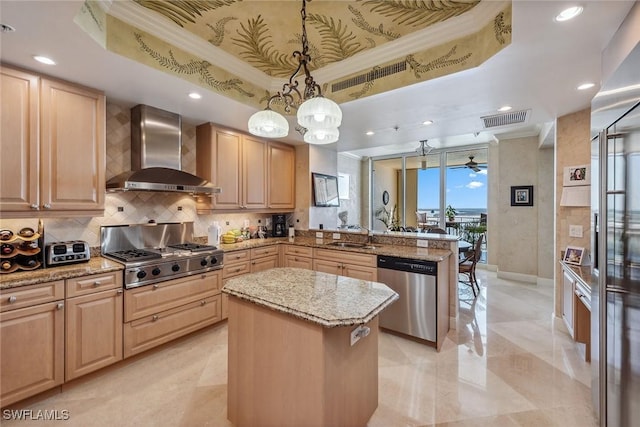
(269, 124)
(319, 112)
(321, 136)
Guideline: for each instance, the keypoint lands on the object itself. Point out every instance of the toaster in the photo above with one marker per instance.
(57, 253)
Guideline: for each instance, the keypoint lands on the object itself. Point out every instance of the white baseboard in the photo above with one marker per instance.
(519, 277)
(545, 282)
(488, 267)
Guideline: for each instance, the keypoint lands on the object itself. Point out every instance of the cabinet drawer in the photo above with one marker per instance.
(296, 261)
(95, 283)
(265, 263)
(236, 269)
(305, 251)
(237, 257)
(346, 257)
(151, 331)
(264, 251)
(152, 299)
(26, 296)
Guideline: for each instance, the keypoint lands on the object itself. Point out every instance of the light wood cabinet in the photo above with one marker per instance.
(344, 263)
(151, 331)
(297, 256)
(32, 344)
(264, 258)
(60, 169)
(282, 166)
(162, 312)
(252, 173)
(93, 323)
(234, 162)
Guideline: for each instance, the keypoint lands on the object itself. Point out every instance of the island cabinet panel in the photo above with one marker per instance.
(150, 331)
(93, 332)
(31, 351)
(276, 359)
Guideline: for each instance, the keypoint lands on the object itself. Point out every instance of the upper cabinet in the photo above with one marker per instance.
(252, 173)
(52, 148)
(282, 169)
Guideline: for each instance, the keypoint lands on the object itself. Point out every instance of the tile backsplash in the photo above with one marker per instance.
(136, 207)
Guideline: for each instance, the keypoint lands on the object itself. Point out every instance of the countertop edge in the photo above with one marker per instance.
(310, 317)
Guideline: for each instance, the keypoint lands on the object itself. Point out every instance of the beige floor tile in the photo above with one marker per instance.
(507, 364)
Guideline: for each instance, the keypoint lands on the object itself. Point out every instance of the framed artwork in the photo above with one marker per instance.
(576, 175)
(573, 255)
(385, 197)
(522, 195)
(325, 190)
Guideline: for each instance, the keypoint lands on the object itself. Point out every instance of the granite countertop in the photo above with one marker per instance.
(413, 252)
(322, 298)
(96, 265)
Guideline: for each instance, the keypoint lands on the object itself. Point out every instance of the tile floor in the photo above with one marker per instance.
(506, 365)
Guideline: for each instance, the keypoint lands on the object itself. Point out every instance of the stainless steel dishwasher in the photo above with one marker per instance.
(415, 313)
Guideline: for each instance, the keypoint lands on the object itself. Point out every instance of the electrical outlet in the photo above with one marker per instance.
(422, 243)
(336, 236)
(575, 231)
(360, 332)
(319, 235)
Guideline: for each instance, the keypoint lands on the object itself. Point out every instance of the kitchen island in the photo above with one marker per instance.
(303, 348)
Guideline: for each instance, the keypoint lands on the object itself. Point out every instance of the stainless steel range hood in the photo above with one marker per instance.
(156, 156)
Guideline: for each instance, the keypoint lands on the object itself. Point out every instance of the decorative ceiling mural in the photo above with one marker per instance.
(263, 34)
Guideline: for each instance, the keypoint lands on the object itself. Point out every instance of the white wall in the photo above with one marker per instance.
(351, 166)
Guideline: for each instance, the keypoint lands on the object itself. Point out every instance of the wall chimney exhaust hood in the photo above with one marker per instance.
(156, 156)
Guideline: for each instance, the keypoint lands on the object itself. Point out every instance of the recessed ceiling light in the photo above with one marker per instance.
(505, 108)
(370, 132)
(585, 86)
(195, 95)
(427, 122)
(569, 13)
(44, 60)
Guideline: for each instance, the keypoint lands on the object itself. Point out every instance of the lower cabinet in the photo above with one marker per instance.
(264, 258)
(151, 331)
(159, 313)
(568, 283)
(93, 332)
(31, 350)
(350, 264)
(298, 256)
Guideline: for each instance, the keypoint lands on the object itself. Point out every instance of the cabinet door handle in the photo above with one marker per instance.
(60, 306)
(34, 207)
(12, 299)
(156, 286)
(155, 318)
(119, 292)
(204, 276)
(46, 206)
(203, 302)
(97, 283)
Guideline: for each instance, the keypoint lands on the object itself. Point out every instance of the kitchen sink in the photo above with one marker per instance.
(351, 245)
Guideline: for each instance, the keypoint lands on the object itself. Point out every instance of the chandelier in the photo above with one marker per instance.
(318, 117)
(423, 150)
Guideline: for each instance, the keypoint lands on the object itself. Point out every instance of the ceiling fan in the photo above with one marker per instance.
(471, 164)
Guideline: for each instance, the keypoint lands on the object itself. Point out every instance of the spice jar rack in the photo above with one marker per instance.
(20, 251)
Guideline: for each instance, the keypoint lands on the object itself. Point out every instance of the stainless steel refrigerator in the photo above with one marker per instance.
(615, 287)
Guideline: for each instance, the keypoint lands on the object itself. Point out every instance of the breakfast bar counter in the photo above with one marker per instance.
(303, 348)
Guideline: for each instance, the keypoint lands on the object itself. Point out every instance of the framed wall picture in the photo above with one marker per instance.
(325, 190)
(573, 255)
(522, 195)
(576, 175)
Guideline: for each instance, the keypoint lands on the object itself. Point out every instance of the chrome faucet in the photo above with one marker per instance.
(369, 234)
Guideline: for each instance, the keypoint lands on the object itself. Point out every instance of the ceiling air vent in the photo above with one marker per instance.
(504, 119)
(374, 74)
